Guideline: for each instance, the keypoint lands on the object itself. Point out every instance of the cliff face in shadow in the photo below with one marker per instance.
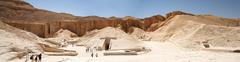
(45, 23)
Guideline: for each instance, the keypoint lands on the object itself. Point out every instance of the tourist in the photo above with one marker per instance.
(96, 54)
(39, 57)
(92, 55)
(29, 57)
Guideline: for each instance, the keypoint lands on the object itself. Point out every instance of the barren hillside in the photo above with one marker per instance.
(122, 41)
(62, 37)
(191, 31)
(24, 16)
(15, 41)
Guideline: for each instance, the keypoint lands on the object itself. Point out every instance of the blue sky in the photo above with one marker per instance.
(140, 8)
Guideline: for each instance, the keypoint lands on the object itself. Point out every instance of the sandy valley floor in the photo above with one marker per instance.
(161, 52)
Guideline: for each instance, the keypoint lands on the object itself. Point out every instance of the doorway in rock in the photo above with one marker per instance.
(107, 42)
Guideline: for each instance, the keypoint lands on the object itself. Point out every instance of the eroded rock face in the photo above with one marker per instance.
(155, 26)
(174, 13)
(45, 23)
(148, 22)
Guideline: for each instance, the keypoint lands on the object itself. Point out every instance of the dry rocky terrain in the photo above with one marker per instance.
(176, 37)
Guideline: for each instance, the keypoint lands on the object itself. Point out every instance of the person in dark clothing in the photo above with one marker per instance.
(32, 57)
(92, 55)
(39, 57)
(87, 50)
(96, 54)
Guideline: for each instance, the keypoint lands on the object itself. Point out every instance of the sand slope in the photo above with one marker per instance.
(123, 41)
(191, 31)
(14, 41)
(61, 36)
(140, 34)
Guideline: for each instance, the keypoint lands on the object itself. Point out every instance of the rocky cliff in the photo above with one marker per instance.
(174, 13)
(45, 23)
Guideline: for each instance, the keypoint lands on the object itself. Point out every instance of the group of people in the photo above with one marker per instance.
(63, 42)
(93, 51)
(66, 42)
(34, 57)
(94, 55)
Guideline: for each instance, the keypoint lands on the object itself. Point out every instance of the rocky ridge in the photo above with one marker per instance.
(45, 23)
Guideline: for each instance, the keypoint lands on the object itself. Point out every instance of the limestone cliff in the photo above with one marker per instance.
(45, 23)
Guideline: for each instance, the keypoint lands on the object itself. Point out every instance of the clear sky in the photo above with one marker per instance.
(140, 8)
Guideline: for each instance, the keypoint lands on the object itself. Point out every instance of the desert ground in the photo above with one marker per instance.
(26, 31)
(160, 52)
